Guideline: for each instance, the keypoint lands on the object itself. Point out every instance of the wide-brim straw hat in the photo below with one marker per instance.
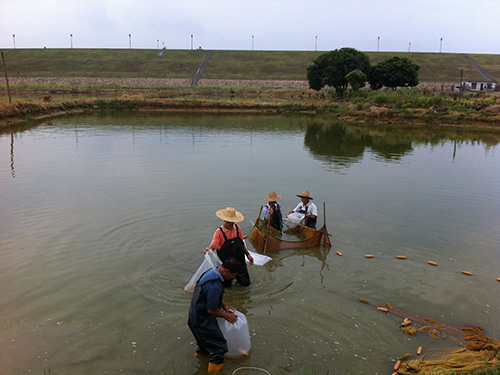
(305, 194)
(230, 214)
(273, 197)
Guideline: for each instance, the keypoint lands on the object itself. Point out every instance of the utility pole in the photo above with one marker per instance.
(378, 44)
(130, 41)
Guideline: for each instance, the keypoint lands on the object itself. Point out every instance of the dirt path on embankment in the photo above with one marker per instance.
(176, 82)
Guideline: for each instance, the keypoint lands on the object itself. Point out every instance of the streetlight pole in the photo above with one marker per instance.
(440, 44)
(191, 42)
(315, 43)
(130, 41)
(252, 42)
(14, 39)
(378, 44)
(71, 38)
(409, 46)
(157, 43)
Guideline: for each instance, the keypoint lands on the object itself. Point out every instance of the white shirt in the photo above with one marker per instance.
(310, 208)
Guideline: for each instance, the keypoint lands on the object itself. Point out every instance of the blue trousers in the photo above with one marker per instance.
(209, 338)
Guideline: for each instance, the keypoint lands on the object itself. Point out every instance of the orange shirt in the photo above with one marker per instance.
(219, 240)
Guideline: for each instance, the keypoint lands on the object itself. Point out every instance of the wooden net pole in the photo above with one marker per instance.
(6, 77)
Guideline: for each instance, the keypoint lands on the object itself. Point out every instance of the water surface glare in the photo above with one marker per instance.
(104, 218)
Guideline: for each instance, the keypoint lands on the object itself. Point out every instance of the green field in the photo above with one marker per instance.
(238, 65)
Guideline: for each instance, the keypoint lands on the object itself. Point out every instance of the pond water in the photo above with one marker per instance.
(104, 218)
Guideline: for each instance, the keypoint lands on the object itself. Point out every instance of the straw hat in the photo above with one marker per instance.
(305, 194)
(230, 214)
(273, 197)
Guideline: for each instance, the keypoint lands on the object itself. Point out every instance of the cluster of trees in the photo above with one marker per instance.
(348, 66)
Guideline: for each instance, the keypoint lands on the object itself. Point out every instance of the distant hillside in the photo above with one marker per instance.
(238, 65)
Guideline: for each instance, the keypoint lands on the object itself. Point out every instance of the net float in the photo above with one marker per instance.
(369, 256)
(432, 263)
(384, 309)
(397, 365)
(400, 257)
(467, 273)
(339, 253)
(419, 350)
(405, 356)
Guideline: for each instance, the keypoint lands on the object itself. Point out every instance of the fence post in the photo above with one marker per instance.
(6, 77)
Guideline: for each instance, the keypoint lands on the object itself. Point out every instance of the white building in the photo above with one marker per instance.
(479, 86)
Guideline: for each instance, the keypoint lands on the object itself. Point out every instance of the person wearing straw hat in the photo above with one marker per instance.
(307, 208)
(272, 210)
(228, 242)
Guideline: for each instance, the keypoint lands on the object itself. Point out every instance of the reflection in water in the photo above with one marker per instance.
(342, 145)
(319, 252)
(13, 173)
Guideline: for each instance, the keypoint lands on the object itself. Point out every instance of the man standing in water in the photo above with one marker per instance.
(207, 305)
(228, 242)
(272, 211)
(307, 208)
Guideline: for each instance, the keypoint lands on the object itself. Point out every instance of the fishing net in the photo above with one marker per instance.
(480, 353)
(461, 361)
(298, 236)
(477, 353)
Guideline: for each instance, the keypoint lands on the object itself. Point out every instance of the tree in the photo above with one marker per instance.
(331, 68)
(394, 72)
(356, 79)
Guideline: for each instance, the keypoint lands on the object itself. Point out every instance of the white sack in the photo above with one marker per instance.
(236, 334)
(295, 217)
(258, 259)
(211, 261)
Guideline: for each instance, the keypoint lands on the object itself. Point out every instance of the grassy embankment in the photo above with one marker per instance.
(433, 103)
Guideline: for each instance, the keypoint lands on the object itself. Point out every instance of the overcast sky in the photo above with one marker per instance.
(468, 26)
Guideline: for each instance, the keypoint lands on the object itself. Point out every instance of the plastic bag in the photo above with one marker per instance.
(211, 261)
(258, 259)
(295, 217)
(236, 335)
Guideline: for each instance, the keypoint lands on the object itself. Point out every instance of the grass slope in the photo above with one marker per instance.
(253, 65)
